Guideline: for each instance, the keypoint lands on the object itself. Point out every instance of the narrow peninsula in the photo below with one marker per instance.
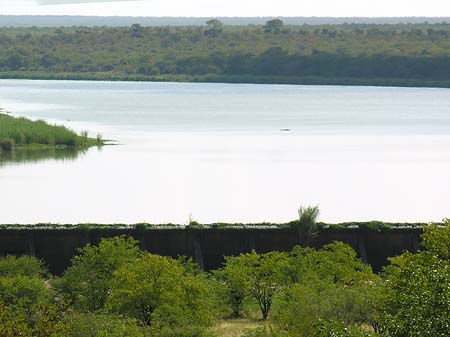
(19, 132)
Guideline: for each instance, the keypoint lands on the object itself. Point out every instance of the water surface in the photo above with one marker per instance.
(216, 151)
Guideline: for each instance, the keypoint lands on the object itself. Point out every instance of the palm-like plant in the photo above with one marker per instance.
(307, 223)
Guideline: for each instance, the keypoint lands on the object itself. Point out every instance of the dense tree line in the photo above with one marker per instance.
(116, 289)
(348, 51)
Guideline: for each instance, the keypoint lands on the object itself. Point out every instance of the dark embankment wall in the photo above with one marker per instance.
(206, 246)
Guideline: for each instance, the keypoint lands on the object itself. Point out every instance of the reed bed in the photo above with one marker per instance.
(22, 132)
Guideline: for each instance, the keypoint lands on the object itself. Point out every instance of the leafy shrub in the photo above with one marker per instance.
(23, 292)
(86, 283)
(101, 325)
(330, 283)
(13, 323)
(417, 296)
(337, 329)
(159, 292)
(29, 266)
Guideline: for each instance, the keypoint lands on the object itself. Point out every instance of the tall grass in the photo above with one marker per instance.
(24, 132)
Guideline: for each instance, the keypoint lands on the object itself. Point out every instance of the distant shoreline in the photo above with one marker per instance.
(117, 21)
(231, 79)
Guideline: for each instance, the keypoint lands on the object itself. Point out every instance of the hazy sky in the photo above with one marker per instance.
(235, 8)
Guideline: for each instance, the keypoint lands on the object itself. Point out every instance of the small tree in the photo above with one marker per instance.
(329, 284)
(214, 27)
(86, 283)
(235, 284)
(137, 30)
(158, 291)
(258, 275)
(273, 26)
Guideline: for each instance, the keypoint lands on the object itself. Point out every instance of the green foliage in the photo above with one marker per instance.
(13, 324)
(436, 240)
(159, 292)
(264, 332)
(25, 299)
(417, 296)
(331, 284)
(114, 289)
(395, 54)
(273, 26)
(337, 329)
(233, 286)
(28, 266)
(86, 283)
(214, 28)
(101, 325)
(24, 132)
(306, 225)
(259, 276)
(23, 292)
(304, 305)
(6, 144)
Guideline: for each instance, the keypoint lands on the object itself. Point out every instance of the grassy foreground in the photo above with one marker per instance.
(22, 132)
(235, 327)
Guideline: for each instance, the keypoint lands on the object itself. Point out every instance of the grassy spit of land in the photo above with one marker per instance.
(24, 133)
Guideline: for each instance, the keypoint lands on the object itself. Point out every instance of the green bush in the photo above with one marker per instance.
(23, 292)
(101, 325)
(29, 266)
(417, 290)
(337, 329)
(86, 283)
(330, 283)
(159, 292)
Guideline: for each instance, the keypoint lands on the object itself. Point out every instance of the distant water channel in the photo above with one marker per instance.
(231, 153)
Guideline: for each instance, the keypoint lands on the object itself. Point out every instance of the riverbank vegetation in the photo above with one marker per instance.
(116, 289)
(360, 54)
(25, 133)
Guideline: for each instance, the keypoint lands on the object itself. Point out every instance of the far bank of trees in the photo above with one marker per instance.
(115, 289)
(419, 52)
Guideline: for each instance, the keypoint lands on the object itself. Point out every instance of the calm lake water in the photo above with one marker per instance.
(216, 152)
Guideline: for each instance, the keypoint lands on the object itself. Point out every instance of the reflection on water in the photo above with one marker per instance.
(216, 151)
(33, 155)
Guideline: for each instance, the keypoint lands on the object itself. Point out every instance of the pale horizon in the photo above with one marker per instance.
(233, 8)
